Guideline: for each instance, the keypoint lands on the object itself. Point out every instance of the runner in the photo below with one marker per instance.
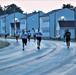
(24, 38)
(67, 37)
(29, 35)
(17, 36)
(39, 37)
(34, 36)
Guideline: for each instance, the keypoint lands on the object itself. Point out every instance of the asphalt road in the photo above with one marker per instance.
(52, 59)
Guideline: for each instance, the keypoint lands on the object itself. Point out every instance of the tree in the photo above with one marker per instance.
(12, 8)
(68, 6)
(1, 10)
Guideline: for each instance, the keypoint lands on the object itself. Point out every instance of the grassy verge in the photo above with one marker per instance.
(3, 44)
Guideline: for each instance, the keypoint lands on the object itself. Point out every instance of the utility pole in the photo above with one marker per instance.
(54, 23)
(5, 16)
(39, 18)
(26, 22)
(14, 23)
(75, 21)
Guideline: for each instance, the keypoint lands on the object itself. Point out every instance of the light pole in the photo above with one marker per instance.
(39, 18)
(14, 23)
(54, 23)
(75, 21)
(26, 22)
(5, 7)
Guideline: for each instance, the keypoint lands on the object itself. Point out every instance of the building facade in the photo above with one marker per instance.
(10, 23)
(31, 21)
(50, 22)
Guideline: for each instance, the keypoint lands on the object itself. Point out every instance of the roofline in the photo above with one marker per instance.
(47, 14)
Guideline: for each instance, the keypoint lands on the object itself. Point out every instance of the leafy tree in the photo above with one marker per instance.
(1, 10)
(12, 8)
(68, 6)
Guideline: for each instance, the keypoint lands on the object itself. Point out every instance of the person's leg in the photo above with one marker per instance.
(38, 44)
(68, 44)
(5, 36)
(34, 38)
(28, 38)
(16, 39)
(23, 43)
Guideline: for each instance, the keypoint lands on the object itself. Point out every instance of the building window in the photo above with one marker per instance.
(45, 29)
(45, 20)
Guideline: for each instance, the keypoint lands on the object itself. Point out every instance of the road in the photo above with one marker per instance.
(52, 59)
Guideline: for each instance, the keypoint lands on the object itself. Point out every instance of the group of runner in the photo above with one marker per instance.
(25, 35)
(37, 35)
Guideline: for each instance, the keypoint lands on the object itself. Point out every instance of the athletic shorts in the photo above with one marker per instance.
(16, 37)
(24, 41)
(39, 38)
(29, 36)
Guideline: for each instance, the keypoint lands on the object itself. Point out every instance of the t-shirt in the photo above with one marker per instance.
(24, 36)
(29, 33)
(17, 34)
(38, 33)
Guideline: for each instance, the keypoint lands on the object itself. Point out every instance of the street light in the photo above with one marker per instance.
(75, 21)
(5, 7)
(15, 20)
(14, 23)
(39, 18)
(26, 22)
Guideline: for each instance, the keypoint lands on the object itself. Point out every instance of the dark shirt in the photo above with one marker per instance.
(67, 36)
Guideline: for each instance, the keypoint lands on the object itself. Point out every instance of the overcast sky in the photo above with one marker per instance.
(43, 5)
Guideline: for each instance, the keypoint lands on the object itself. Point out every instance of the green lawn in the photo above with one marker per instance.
(3, 44)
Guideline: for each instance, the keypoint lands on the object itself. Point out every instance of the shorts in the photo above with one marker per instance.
(29, 36)
(24, 41)
(34, 36)
(5, 36)
(67, 39)
(16, 37)
(39, 39)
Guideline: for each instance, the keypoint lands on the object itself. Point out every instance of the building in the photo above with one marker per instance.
(64, 25)
(49, 22)
(10, 23)
(67, 21)
(3, 24)
(31, 21)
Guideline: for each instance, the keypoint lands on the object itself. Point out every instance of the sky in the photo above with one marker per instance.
(38, 5)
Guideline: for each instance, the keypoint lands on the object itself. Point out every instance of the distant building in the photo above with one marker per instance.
(68, 22)
(49, 22)
(31, 21)
(7, 23)
(64, 25)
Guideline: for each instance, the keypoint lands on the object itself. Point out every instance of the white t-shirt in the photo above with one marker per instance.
(17, 34)
(38, 33)
(24, 36)
(29, 33)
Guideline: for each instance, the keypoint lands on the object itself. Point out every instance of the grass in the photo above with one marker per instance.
(3, 44)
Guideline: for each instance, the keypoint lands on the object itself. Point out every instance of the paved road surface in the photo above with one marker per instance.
(52, 59)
